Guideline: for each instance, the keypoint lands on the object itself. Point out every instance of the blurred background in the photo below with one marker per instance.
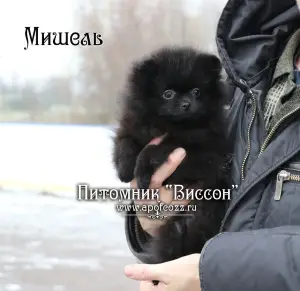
(57, 109)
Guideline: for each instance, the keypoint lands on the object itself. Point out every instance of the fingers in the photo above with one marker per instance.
(147, 286)
(143, 272)
(133, 184)
(168, 168)
(157, 140)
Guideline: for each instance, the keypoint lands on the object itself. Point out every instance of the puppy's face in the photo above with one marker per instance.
(178, 84)
(178, 104)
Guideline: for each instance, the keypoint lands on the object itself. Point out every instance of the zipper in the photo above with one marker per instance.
(265, 143)
(265, 174)
(281, 177)
(270, 135)
(249, 129)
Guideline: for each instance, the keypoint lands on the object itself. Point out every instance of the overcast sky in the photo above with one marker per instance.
(41, 61)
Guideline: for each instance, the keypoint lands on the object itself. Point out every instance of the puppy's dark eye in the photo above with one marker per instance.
(168, 94)
(196, 92)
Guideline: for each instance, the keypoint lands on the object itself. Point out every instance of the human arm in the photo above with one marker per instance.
(266, 259)
(140, 229)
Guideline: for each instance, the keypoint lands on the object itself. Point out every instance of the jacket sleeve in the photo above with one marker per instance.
(135, 235)
(267, 259)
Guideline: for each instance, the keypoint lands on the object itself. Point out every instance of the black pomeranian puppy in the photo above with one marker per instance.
(177, 92)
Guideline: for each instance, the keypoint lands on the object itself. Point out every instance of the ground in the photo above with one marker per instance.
(60, 244)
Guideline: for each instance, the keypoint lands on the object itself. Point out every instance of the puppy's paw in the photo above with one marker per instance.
(125, 173)
(124, 158)
(144, 167)
(143, 181)
(143, 171)
(148, 161)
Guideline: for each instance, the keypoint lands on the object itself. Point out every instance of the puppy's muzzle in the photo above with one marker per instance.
(185, 105)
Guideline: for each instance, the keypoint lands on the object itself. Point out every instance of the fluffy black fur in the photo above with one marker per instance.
(177, 91)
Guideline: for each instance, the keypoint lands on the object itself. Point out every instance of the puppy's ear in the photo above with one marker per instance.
(209, 62)
(147, 67)
(143, 75)
(209, 66)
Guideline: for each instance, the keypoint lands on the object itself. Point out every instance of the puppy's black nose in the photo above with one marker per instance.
(185, 105)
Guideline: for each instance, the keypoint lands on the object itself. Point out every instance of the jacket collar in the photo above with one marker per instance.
(285, 64)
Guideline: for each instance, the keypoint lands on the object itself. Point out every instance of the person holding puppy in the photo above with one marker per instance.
(258, 247)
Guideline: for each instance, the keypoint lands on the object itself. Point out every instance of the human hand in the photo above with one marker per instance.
(178, 275)
(167, 169)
